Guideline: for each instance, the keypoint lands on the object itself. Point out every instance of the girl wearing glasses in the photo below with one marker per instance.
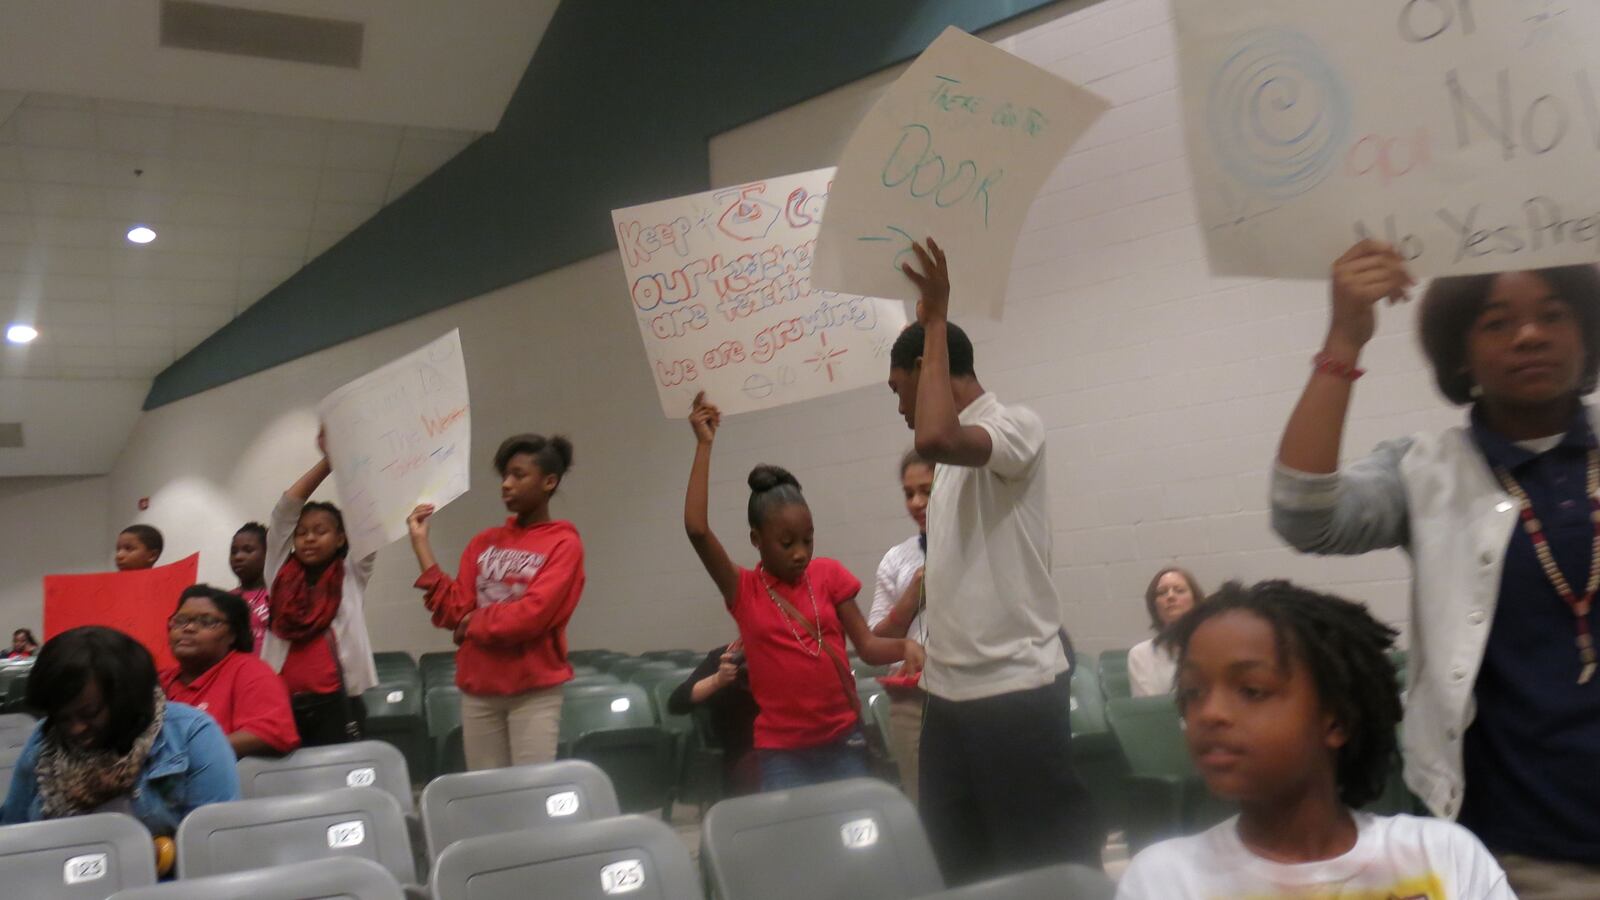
(218, 672)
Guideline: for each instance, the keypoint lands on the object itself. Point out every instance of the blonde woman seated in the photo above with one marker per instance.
(1152, 665)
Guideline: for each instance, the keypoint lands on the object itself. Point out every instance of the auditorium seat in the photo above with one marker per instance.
(626, 855)
(474, 804)
(76, 858)
(342, 877)
(858, 839)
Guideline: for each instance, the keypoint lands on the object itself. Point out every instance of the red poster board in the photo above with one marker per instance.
(135, 603)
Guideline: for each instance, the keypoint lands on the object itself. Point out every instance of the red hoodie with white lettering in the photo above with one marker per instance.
(521, 586)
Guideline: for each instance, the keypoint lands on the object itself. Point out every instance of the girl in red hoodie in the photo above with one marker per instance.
(508, 609)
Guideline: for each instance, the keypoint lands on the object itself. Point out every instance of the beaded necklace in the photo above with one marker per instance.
(1580, 606)
(815, 616)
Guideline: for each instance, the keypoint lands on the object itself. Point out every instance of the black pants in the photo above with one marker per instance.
(324, 719)
(998, 793)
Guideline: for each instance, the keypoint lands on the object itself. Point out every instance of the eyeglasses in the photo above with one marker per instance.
(178, 623)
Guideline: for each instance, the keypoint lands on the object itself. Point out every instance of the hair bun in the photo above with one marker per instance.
(563, 448)
(764, 478)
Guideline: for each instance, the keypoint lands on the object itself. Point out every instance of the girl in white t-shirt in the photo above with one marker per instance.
(1153, 663)
(1290, 706)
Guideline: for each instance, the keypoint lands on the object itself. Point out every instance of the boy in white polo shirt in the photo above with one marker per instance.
(998, 793)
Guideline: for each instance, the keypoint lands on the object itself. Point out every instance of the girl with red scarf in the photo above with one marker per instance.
(317, 628)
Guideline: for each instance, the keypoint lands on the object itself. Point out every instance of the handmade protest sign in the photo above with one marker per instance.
(957, 148)
(136, 603)
(399, 436)
(721, 284)
(1464, 132)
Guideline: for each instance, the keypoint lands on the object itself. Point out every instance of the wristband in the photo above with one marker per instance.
(1325, 363)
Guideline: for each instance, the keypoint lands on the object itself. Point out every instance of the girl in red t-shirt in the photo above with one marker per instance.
(808, 730)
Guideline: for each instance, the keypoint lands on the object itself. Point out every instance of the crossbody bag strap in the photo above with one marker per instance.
(847, 681)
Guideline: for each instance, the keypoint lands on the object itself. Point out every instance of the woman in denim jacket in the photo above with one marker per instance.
(1501, 519)
(110, 741)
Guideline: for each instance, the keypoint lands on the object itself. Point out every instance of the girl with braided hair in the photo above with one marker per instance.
(1290, 704)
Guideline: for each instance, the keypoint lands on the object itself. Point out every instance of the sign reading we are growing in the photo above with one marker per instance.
(721, 285)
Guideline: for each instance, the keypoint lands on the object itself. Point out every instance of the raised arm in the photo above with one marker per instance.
(286, 512)
(450, 600)
(1317, 507)
(940, 437)
(705, 418)
(309, 482)
(1368, 272)
(418, 524)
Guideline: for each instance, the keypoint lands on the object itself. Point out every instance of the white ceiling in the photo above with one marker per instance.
(239, 202)
(247, 169)
(438, 63)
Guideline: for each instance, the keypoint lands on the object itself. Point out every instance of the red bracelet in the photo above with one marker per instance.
(1323, 362)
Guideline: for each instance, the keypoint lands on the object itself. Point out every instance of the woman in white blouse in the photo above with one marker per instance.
(1151, 665)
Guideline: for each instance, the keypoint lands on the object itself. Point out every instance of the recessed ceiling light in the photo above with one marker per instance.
(141, 234)
(21, 334)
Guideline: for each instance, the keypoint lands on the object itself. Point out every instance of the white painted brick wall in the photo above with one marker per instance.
(1164, 388)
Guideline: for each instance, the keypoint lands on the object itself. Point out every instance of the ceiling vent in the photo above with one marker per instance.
(10, 435)
(189, 25)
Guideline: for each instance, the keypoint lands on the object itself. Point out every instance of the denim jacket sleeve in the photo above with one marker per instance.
(1361, 507)
(18, 805)
(213, 776)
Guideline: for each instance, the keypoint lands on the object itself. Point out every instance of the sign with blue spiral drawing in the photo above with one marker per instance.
(1464, 132)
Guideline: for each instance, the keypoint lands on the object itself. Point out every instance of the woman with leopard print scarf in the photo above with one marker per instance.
(111, 742)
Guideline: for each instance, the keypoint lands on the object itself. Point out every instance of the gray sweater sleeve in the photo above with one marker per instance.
(1361, 507)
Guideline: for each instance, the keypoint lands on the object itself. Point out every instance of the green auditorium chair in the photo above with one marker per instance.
(1165, 796)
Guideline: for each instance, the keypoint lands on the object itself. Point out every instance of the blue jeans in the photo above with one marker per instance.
(836, 760)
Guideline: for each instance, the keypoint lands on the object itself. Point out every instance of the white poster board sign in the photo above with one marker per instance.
(399, 436)
(1464, 132)
(957, 148)
(721, 284)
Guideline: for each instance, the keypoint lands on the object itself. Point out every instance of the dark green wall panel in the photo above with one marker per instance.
(615, 108)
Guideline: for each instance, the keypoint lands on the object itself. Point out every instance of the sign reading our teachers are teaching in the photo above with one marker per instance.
(956, 149)
(1464, 132)
(721, 285)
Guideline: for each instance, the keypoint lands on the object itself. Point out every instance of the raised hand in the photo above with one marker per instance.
(417, 522)
(933, 282)
(705, 418)
(1368, 272)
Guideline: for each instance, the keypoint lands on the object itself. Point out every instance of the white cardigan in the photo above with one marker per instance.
(1434, 496)
(349, 623)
